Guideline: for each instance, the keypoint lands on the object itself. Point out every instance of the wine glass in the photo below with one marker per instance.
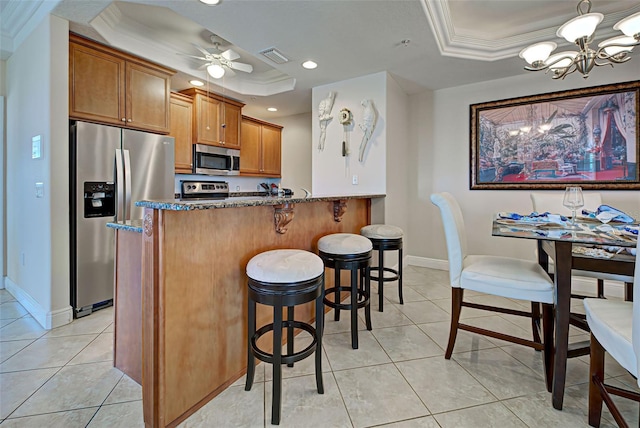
(573, 200)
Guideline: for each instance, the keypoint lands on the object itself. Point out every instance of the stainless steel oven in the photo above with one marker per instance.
(212, 160)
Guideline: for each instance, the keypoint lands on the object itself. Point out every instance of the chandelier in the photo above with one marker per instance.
(580, 30)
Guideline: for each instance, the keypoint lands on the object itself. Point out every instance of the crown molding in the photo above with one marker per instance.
(469, 43)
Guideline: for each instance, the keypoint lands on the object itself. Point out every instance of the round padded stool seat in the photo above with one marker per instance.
(344, 243)
(385, 237)
(381, 231)
(285, 266)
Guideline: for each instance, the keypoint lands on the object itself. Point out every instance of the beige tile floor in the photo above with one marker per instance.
(398, 378)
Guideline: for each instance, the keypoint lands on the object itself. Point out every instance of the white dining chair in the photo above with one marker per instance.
(615, 328)
(552, 202)
(499, 276)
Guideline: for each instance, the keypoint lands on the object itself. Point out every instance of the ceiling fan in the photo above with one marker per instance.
(220, 63)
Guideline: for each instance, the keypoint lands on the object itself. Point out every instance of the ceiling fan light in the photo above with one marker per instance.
(563, 63)
(619, 40)
(210, 2)
(630, 25)
(579, 27)
(215, 70)
(537, 52)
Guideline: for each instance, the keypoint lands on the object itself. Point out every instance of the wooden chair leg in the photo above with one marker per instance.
(628, 291)
(596, 375)
(601, 289)
(535, 321)
(456, 307)
(547, 332)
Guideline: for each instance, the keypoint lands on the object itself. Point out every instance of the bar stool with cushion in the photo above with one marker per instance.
(284, 279)
(348, 251)
(385, 238)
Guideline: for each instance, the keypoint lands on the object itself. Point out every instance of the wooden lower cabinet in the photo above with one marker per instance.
(261, 153)
(181, 117)
(127, 349)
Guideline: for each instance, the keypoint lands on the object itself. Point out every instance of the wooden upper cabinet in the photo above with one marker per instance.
(271, 150)
(261, 151)
(112, 87)
(96, 85)
(181, 131)
(216, 120)
(231, 126)
(251, 152)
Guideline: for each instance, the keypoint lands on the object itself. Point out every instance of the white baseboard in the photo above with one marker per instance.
(47, 319)
(580, 285)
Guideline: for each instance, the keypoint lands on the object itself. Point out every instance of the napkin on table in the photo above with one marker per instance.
(606, 213)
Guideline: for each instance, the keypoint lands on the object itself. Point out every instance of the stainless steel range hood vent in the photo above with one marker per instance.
(275, 55)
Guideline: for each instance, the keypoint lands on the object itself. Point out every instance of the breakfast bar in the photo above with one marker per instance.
(194, 286)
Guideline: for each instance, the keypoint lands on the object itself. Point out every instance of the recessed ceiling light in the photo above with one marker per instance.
(272, 109)
(211, 2)
(196, 83)
(309, 65)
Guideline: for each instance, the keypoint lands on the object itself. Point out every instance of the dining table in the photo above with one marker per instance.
(581, 247)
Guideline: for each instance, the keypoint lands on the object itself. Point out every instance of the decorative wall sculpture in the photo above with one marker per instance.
(369, 119)
(346, 119)
(324, 116)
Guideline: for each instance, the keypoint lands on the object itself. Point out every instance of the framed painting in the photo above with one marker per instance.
(584, 137)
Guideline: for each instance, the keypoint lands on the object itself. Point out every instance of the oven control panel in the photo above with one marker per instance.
(204, 189)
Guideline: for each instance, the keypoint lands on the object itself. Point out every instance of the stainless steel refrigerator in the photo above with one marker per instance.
(111, 168)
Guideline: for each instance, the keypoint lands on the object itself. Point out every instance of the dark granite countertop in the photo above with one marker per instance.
(130, 225)
(246, 201)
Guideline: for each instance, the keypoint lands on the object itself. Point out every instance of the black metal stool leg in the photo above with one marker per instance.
(276, 399)
(380, 279)
(319, 333)
(290, 333)
(251, 361)
(366, 278)
(336, 281)
(400, 276)
(354, 308)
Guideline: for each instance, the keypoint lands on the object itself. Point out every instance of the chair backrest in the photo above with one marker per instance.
(552, 202)
(635, 327)
(454, 233)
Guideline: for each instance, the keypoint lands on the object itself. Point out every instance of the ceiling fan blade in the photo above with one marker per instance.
(201, 49)
(193, 56)
(247, 68)
(230, 54)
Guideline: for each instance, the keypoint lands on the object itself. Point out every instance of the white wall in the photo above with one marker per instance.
(296, 152)
(3, 169)
(332, 173)
(38, 228)
(440, 149)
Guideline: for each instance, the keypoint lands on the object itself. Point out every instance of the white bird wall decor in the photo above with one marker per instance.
(324, 115)
(369, 119)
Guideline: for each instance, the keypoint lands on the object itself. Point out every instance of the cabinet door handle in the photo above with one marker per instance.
(129, 120)
(123, 119)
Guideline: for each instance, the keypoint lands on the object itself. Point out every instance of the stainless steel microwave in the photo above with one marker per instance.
(212, 160)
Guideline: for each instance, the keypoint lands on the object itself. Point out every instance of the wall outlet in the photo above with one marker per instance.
(354, 179)
(39, 190)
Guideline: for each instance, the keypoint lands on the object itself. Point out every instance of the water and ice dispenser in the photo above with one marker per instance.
(99, 199)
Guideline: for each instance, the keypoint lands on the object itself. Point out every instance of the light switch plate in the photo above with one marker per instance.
(36, 147)
(39, 190)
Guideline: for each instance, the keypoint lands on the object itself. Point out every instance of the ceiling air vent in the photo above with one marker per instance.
(274, 55)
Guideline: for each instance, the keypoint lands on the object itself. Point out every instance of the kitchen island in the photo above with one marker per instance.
(194, 287)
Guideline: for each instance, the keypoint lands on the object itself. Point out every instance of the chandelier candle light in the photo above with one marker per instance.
(580, 30)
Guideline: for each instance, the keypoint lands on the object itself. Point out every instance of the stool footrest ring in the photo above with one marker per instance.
(395, 277)
(285, 358)
(363, 298)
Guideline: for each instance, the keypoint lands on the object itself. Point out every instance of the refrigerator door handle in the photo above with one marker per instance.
(119, 186)
(127, 184)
